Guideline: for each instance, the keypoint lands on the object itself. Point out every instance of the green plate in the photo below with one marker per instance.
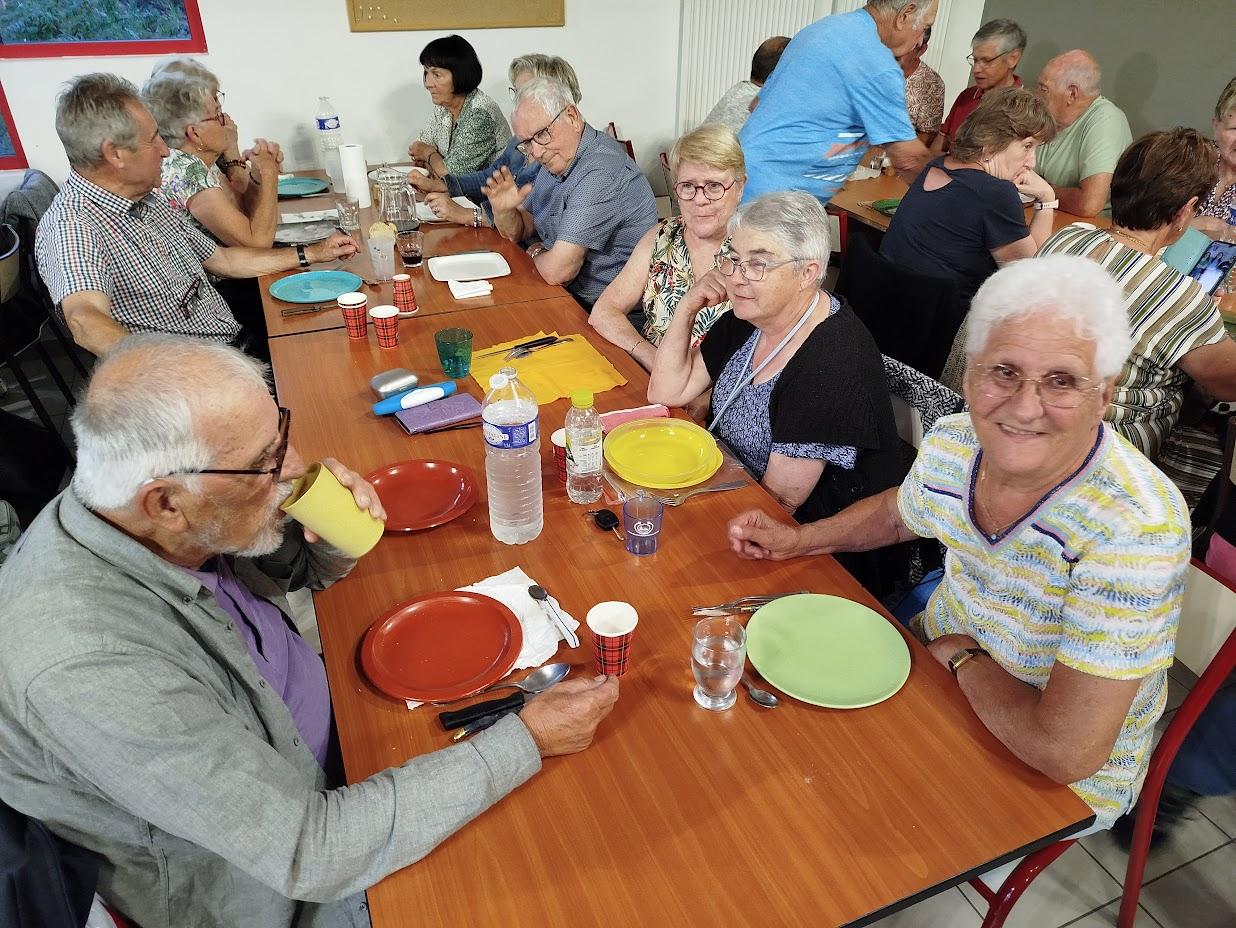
(827, 651)
(300, 186)
(887, 207)
(314, 286)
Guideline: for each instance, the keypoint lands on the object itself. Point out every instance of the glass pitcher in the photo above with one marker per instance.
(396, 203)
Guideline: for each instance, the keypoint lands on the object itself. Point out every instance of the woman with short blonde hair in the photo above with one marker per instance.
(709, 171)
(1218, 208)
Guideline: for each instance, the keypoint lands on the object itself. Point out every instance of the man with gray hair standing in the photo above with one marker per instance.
(115, 256)
(995, 52)
(157, 706)
(836, 92)
(589, 204)
(1092, 132)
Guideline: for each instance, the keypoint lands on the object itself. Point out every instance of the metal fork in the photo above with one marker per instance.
(516, 354)
(677, 499)
(742, 604)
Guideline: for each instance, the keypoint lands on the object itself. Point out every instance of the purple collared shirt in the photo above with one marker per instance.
(282, 656)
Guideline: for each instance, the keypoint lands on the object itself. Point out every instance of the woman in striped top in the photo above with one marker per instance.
(1067, 549)
(1178, 333)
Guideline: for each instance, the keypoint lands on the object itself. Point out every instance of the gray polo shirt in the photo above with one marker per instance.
(602, 202)
(134, 722)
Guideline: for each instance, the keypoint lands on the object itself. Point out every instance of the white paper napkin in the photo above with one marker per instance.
(466, 289)
(541, 634)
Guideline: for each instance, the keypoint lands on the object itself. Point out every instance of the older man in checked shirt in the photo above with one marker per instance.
(114, 255)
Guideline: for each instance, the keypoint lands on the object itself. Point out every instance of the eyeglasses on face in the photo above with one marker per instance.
(985, 62)
(713, 190)
(1059, 389)
(220, 117)
(753, 270)
(276, 468)
(542, 136)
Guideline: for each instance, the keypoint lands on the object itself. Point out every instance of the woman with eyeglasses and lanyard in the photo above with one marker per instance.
(798, 386)
(192, 122)
(635, 310)
(1067, 549)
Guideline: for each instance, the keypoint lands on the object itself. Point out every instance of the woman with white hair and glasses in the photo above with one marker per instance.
(798, 388)
(1067, 549)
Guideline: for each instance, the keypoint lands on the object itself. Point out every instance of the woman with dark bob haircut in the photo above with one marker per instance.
(465, 129)
(1178, 333)
(962, 217)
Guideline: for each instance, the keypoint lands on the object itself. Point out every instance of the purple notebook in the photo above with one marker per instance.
(451, 409)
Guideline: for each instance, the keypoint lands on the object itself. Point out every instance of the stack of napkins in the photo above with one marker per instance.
(467, 289)
(541, 634)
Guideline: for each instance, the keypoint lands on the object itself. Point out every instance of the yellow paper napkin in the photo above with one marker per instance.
(551, 373)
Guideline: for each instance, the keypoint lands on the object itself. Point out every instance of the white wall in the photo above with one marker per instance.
(275, 59)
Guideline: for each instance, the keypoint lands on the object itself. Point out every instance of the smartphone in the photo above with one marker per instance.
(1214, 265)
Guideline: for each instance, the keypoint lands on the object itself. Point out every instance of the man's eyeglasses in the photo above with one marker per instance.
(281, 451)
(753, 270)
(1059, 389)
(713, 190)
(541, 136)
(985, 62)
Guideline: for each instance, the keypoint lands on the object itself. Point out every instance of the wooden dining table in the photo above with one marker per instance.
(799, 815)
(433, 297)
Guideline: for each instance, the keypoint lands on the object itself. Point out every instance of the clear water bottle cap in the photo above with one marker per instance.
(581, 399)
(499, 380)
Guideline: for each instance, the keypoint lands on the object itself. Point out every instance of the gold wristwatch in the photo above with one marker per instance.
(962, 656)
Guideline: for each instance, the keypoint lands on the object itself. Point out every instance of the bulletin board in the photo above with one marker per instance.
(454, 15)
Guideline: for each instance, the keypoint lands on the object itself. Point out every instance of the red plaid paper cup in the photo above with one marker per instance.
(613, 626)
(355, 307)
(386, 325)
(558, 442)
(405, 296)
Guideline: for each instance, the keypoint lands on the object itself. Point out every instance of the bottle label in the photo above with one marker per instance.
(329, 122)
(583, 459)
(511, 436)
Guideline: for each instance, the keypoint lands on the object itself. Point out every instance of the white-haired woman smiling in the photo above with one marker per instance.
(798, 388)
(1067, 548)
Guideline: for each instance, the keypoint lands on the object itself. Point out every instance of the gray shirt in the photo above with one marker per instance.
(734, 106)
(602, 202)
(134, 723)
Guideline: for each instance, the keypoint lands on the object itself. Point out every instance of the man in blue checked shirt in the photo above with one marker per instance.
(114, 255)
(587, 207)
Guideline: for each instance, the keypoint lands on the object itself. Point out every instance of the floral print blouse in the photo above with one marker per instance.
(669, 278)
(185, 176)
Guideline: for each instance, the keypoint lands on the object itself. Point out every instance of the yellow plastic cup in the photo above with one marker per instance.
(323, 505)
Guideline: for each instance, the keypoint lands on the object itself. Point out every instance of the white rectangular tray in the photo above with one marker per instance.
(479, 266)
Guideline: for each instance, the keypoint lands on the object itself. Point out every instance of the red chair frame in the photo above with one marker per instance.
(1000, 902)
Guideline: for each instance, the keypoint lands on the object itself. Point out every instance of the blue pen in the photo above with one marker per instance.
(417, 397)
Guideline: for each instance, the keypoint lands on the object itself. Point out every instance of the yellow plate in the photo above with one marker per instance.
(662, 454)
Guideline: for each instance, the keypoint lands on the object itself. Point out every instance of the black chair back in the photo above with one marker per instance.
(913, 317)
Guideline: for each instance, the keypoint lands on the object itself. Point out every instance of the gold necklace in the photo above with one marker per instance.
(985, 512)
(1145, 246)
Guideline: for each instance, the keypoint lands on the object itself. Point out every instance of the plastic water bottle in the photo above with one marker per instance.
(512, 459)
(330, 136)
(583, 444)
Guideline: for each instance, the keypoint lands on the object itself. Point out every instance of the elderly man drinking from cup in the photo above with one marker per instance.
(1067, 549)
(156, 705)
(587, 207)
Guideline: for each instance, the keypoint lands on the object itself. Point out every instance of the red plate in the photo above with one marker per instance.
(441, 646)
(423, 493)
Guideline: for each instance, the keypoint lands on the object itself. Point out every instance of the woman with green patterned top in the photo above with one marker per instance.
(709, 172)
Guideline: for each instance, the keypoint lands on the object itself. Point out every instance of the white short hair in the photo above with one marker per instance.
(136, 421)
(1064, 287)
(550, 95)
(794, 219)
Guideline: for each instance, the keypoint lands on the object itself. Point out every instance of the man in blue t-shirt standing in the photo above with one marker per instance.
(837, 91)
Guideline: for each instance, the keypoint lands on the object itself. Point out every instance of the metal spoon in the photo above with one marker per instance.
(538, 681)
(537, 592)
(758, 696)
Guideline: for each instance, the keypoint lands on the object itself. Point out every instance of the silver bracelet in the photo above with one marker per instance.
(476, 217)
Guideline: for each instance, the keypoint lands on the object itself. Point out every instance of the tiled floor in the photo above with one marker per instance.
(1190, 881)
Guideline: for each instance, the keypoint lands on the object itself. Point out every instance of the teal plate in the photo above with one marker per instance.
(314, 286)
(301, 186)
(828, 651)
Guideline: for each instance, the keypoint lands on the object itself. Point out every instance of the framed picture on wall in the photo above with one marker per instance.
(413, 15)
(67, 28)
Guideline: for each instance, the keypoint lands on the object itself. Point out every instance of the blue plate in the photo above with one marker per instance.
(314, 286)
(300, 186)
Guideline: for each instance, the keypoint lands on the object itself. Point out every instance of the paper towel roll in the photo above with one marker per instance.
(355, 173)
